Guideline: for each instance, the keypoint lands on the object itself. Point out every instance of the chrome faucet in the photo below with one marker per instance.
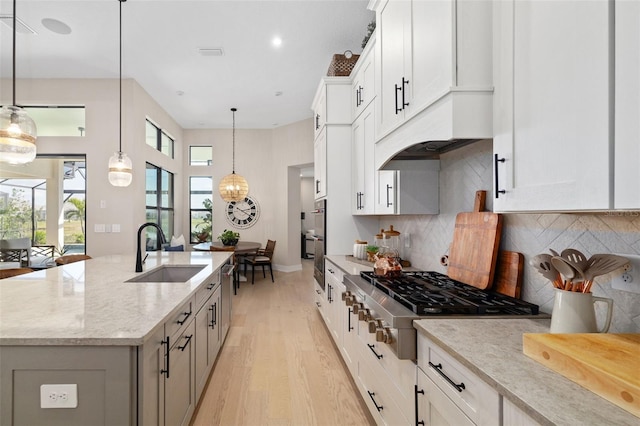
(163, 240)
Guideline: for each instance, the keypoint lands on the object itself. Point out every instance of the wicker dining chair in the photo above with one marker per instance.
(236, 280)
(71, 258)
(261, 258)
(13, 272)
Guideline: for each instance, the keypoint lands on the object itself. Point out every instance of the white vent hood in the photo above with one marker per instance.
(460, 117)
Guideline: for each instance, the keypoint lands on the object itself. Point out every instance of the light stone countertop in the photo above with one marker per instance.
(492, 349)
(349, 264)
(89, 302)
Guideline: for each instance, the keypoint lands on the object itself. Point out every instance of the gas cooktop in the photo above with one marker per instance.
(429, 293)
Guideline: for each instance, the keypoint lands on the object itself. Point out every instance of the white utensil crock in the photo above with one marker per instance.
(360, 251)
(573, 312)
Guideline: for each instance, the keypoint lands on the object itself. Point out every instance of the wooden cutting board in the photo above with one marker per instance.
(508, 275)
(474, 250)
(606, 364)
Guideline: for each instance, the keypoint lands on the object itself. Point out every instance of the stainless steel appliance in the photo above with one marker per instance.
(319, 242)
(390, 305)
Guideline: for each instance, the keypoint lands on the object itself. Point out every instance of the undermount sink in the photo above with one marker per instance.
(168, 274)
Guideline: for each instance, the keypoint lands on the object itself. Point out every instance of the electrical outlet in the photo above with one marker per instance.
(628, 278)
(58, 396)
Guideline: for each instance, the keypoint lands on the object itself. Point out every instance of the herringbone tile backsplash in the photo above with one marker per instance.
(467, 170)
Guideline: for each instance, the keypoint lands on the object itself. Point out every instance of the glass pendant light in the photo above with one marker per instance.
(233, 187)
(120, 167)
(18, 132)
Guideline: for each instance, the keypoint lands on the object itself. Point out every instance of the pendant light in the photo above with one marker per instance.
(120, 173)
(233, 187)
(18, 132)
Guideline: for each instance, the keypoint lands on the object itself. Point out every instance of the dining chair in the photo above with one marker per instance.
(261, 258)
(71, 258)
(236, 280)
(13, 272)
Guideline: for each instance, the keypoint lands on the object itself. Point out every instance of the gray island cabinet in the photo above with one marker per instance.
(136, 352)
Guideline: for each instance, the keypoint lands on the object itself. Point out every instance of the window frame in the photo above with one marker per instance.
(192, 233)
(159, 208)
(160, 138)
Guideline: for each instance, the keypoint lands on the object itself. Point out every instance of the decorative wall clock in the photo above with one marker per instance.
(243, 214)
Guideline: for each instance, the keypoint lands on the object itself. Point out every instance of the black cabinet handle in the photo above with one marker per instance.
(186, 315)
(372, 347)
(404, 83)
(213, 309)
(183, 347)
(397, 90)
(389, 204)
(329, 295)
(497, 160)
(349, 328)
(317, 186)
(438, 368)
(416, 393)
(211, 286)
(371, 395)
(165, 370)
(317, 121)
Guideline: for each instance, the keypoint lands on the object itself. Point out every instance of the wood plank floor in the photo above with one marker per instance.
(279, 365)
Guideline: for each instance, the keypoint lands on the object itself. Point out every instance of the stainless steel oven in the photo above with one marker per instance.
(319, 241)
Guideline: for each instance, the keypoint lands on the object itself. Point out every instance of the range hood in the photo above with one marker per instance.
(457, 119)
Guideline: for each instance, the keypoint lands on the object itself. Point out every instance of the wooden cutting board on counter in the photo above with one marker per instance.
(474, 250)
(606, 364)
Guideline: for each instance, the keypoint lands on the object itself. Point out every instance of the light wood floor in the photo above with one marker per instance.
(278, 365)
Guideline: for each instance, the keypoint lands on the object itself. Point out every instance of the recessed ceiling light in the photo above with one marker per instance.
(56, 26)
(211, 51)
(278, 93)
(276, 41)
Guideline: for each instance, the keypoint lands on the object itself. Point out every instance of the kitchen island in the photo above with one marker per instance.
(138, 352)
(491, 349)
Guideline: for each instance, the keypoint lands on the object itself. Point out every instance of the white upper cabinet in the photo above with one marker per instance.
(553, 142)
(364, 176)
(363, 75)
(435, 80)
(627, 105)
(320, 165)
(408, 187)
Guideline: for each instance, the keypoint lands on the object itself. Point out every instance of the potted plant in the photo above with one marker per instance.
(371, 252)
(229, 238)
(202, 232)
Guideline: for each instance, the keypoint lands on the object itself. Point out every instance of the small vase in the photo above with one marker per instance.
(230, 242)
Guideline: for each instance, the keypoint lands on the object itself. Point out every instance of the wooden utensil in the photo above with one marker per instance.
(542, 263)
(474, 250)
(509, 273)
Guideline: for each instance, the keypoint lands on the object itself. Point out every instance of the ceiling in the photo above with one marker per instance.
(271, 86)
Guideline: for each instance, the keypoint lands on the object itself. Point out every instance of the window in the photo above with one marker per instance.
(200, 155)
(200, 191)
(159, 204)
(26, 211)
(159, 140)
(58, 120)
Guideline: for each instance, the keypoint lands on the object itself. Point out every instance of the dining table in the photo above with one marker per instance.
(242, 248)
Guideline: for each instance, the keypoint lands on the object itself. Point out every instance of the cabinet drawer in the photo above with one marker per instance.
(435, 408)
(205, 292)
(179, 319)
(378, 397)
(400, 375)
(474, 397)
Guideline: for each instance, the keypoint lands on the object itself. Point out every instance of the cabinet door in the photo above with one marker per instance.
(627, 105)
(151, 367)
(201, 361)
(179, 400)
(386, 192)
(432, 55)
(434, 407)
(320, 164)
(214, 335)
(552, 132)
(512, 415)
(320, 112)
(363, 88)
(349, 339)
(394, 36)
(364, 177)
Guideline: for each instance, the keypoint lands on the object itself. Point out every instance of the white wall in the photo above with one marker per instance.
(123, 206)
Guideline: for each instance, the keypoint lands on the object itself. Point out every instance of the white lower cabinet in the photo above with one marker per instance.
(514, 416)
(208, 339)
(453, 395)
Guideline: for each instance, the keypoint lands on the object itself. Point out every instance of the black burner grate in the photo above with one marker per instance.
(428, 293)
